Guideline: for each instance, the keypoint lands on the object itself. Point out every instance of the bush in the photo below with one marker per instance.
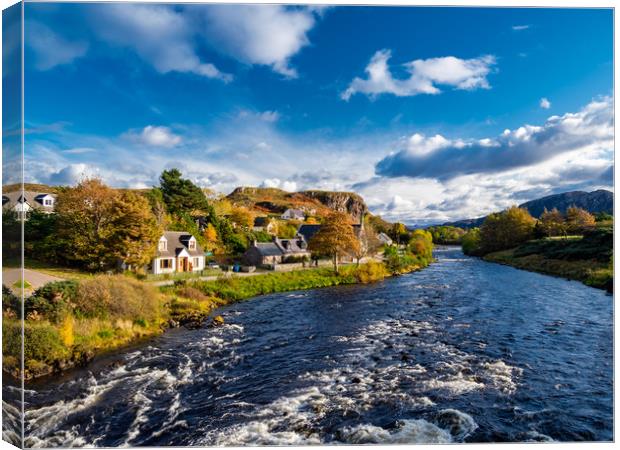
(370, 272)
(42, 341)
(471, 242)
(53, 301)
(115, 296)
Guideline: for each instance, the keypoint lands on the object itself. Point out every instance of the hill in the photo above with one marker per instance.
(593, 202)
(319, 203)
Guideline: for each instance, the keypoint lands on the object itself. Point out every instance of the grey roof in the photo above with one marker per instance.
(177, 242)
(308, 230)
(297, 212)
(268, 249)
(34, 199)
(262, 221)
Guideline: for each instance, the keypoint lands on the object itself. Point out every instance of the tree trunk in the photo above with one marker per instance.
(336, 264)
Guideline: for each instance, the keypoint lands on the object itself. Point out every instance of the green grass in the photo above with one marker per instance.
(183, 275)
(18, 284)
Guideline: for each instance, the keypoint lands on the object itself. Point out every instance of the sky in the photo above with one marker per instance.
(431, 114)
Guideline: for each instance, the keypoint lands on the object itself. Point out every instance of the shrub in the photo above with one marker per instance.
(42, 341)
(370, 272)
(52, 301)
(115, 296)
(471, 242)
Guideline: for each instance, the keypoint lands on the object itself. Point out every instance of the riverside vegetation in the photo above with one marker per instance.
(68, 322)
(576, 245)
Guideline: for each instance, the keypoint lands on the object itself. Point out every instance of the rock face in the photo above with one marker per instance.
(312, 202)
(348, 202)
(594, 202)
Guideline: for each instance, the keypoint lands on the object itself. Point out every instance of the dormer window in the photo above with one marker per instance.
(191, 244)
(48, 202)
(163, 245)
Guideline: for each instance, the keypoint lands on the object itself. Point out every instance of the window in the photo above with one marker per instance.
(192, 245)
(163, 245)
(165, 264)
(196, 263)
(48, 202)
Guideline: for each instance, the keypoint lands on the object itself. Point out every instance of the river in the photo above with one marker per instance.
(464, 351)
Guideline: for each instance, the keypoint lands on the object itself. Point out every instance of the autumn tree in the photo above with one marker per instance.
(242, 216)
(398, 232)
(155, 198)
(97, 226)
(578, 220)
(552, 223)
(335, 238)
(506, 229)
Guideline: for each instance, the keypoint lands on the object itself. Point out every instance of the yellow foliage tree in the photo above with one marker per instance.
(578, 219)
(335, 238)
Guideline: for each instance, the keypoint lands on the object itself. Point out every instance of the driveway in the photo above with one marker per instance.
(36, 279)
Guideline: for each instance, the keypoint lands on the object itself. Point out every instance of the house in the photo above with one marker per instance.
(178, 251)
(384, 239)
(25, 202)
(266, 224)
(276, 252)
(293, 214)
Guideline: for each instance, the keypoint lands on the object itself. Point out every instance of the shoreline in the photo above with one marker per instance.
(206, 309)
(568, 270)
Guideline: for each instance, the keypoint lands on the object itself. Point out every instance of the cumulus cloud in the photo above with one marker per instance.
(544, 103)
(155, 137)
(424, 76)
(267, 35)
(72, 174)
(161, 35)
(51, 49)
(590, 129)
(289, 186)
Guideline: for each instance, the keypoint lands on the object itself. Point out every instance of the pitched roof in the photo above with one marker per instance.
(308, 230)
(262, 221)
(268, 249)
(177, 242)
(34, 199)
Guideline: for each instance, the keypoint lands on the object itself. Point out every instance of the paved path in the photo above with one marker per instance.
(36, 279)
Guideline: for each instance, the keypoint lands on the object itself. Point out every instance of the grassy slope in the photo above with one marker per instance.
(584, 259)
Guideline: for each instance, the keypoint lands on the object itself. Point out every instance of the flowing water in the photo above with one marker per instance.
(463, 351)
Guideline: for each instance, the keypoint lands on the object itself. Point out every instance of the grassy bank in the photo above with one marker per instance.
(69, 322)
(587, 259)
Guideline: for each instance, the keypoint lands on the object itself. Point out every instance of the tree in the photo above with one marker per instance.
(335, 238)
(181, 195)
(578, 220)
(552, 223)
(156, 199)
(507, 229)
(97, 226)
(471, 242)
(369, 243)
(399, 232)
(135, 231)
(242, 216)
(210, 235)
(421, 244)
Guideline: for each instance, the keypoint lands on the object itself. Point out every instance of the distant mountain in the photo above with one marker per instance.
(594, 202)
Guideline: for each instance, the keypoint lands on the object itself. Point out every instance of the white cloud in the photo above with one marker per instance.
(267, 35)
(50, 49)
(159, 34)
(590, 129)
(520, 27)
(289, 186)
(265, 116)
(72, 174)
(155, 136)
(424, 75)
(544, 103)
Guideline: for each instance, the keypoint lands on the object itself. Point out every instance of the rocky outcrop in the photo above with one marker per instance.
(349, 202)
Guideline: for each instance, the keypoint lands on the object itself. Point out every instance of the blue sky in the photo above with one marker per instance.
(431, 114)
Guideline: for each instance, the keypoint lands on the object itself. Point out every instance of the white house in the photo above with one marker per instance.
(178, 251)
(22, 203)
(293, 214)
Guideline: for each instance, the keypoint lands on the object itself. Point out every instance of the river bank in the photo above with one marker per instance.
(445, 354)
(68, 324)
(590, 272)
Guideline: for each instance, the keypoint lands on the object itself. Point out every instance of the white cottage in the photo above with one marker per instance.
(178, 251)
(24, 202)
